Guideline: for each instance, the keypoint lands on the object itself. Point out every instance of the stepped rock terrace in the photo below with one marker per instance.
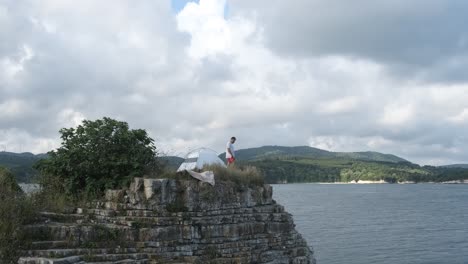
(171, 221)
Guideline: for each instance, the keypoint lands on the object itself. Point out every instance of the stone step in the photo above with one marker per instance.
(163, 216)
(68, 252)
(63, 218)
(53, 231)
(51, 244)
(211, 220)
(114, 257)
(124, 261)
(159, 210)
(40, 260)
(83, 260)
(103, 212)
(190, 219)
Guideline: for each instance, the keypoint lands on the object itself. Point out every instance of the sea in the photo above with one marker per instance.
(380, 223)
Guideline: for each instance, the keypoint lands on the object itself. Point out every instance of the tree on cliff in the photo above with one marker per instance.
(98, 155)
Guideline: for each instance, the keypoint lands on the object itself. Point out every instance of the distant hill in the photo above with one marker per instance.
(370, 156)
(20, 164)
(463, 166)
(282, 164)
(271, 152)
(306, 164)
(172, 162)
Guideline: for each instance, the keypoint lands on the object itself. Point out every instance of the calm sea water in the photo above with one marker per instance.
(380, 223)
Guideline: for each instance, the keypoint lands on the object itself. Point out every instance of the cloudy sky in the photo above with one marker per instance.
(388, 76)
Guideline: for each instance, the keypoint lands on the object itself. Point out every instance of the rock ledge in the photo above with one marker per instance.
(172, 221)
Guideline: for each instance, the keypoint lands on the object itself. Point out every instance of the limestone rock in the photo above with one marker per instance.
(172, 221)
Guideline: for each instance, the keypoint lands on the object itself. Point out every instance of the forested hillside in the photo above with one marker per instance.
(297, 164)
(306, 164)
(345, 170)
(267, 152)
(20, 164)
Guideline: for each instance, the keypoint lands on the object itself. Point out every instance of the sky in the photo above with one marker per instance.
(364, 75)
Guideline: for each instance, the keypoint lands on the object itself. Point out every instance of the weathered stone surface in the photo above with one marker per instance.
(170, 221)
(115, 195)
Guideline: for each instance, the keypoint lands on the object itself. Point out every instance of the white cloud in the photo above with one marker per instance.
(12, 109)
(397, 114)
(341, 105)
(350, 143)
(209, 31)
(462, 117)
(10, 67)
(378, 142)
(325, 142)
(201, 76)
(15, 140)
(45, 25)
(70, 118)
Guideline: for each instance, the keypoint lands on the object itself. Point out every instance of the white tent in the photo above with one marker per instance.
(198, 158)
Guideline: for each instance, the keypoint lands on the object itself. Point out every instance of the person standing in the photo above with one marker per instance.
(230, 152)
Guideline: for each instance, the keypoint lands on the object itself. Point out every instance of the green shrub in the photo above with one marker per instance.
(98, 155)
(16, 210)
(57, 202)
(8, 182)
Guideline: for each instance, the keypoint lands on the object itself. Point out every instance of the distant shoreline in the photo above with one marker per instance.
(381, 182)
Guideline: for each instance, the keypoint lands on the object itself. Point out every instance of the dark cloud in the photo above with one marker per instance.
(415, 34)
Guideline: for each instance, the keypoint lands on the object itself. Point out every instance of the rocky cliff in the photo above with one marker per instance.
(171, 221)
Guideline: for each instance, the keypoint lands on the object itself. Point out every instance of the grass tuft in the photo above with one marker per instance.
(245, 175)
(16, 210)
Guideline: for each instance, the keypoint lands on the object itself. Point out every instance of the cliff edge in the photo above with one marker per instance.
(171, 221)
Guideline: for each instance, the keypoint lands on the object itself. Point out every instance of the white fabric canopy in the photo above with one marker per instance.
(198, 158)
(206, 176)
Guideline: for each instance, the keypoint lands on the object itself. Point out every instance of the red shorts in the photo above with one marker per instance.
(231, 160)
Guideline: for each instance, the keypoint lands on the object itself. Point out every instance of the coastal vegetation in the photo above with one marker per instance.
(16, 210)
(281, 170)
(98, 155)
(306, 164)
(278, 164)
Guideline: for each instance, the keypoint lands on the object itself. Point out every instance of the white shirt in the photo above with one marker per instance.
(230, 146)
